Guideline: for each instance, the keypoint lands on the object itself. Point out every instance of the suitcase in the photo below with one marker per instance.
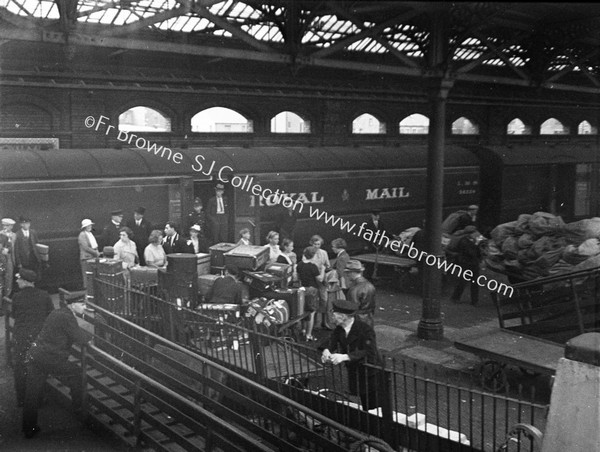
(278, 311)
(144, 276)
(260, 282)
(42, 251)
(182, 263)
(284, 271)
(203, 263)
(205, 282)
(247, 257)
(293, 297)
(217, 251)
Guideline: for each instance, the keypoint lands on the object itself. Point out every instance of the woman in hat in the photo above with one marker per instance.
(88, 247)
(196, 244)
(154, 253)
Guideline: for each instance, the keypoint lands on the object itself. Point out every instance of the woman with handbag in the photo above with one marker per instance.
(310, 276)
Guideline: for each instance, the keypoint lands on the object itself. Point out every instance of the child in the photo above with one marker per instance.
(245, 237)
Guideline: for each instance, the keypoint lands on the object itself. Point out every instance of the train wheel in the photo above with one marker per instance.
(493, 377)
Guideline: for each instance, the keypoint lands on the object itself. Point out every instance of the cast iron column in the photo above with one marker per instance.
(438, 85)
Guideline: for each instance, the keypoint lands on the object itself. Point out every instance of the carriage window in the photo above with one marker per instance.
(289, 122)
(553, 126)
(585, 128)
(464, 126)
(583, 185)
(220, 119)
(367, 123)
(517, 127)
(144, 119)
(415, 124)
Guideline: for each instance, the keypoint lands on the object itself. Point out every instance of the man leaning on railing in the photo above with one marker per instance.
(49, 354)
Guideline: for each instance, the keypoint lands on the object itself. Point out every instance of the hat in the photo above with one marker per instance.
(344, 306)
(473, 207)
(28, 275)
(118, 212)
(219, 187)
(24, 219)
(7, 221)
(197, 202)
(354, 266)
(85, 223)
(140, 210)
(196, 228)
(375, 211)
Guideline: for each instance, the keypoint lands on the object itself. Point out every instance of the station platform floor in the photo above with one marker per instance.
(396, 321)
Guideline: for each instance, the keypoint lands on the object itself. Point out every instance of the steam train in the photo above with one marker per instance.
(58, 188)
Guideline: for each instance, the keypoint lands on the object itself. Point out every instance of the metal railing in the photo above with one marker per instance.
(419, 409)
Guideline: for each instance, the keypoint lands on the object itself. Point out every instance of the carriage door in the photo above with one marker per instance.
(247, 213)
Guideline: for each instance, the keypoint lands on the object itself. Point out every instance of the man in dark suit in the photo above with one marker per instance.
(172, 242)
(110, 233)
(226, 290)
(30, 307)
(26, 253)
(376, 224)
(286, 223)
(353, 342)
(141, 229)
(218, 215)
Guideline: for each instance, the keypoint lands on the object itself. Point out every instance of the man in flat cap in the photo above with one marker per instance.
(218, 215)
(110, 233)
(360, 291)
(7, 257)
(141, 229)
(353, 342)
(30, 307)
(26, 252)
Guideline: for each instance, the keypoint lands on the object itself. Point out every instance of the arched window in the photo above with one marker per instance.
(464, 126)
(367, 123)
(144, 119)
(553, 126)
(220, 119)
(415, 123)
(585, 128)
(517, 127)
(289, 122)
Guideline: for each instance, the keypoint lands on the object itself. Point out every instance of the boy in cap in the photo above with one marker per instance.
(49, 354)
(30, 307)
(141, 229)
(218, 215)
(110, 233)
(360, 291)
(7, 258)
(353, 342)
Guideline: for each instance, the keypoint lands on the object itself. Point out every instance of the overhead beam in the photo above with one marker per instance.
(145, 22)
(504, 58)
(580, 62)
(16, 20)
(486, 56)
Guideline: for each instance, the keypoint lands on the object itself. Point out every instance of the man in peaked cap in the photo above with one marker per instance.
(7, 258)
(353, 342)
(218, 215)
(141, 229)
(197, 217)
(26, 252)
(110, 233)
(30, 307)
(361, 291)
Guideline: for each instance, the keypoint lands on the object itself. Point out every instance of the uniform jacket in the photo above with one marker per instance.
(174, 244)
(199, 219)
(30, 308)
(24, 251)
(59, 333)
(85, 247)
(110, 235)
(225, 290)
(362, 292)
(140, 233)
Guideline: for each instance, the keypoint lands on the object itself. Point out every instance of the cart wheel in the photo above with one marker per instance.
(493, 377)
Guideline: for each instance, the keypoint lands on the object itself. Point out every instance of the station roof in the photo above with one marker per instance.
(553, 45)
(60, 164)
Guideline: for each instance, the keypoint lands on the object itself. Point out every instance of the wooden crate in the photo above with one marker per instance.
(247, 257)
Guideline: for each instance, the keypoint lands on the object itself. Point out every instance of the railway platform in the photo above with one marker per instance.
(396, 321)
